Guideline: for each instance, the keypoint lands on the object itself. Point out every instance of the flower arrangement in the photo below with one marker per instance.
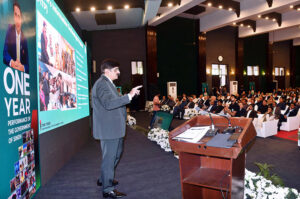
(165, 108)
(131, 121)
(150, 107)
(161, 137)
(189, 113)
(257, 186)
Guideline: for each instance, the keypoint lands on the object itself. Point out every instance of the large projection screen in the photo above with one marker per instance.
(62, 69)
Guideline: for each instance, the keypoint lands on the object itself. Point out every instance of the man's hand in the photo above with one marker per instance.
(17, 65)
(135, 91)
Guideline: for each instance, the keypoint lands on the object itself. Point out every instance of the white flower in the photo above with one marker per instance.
(165, 107)
(131, 120)
(258, 187)
(161, 137)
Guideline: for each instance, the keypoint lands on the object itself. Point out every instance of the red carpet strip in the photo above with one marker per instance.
(289, 135)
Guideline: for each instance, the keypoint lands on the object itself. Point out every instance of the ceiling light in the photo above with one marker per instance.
(126, 6)
(234, 23)
(109, 7)
(93, 9)
(230, 9)
(274, 19)
(298, 9)
(291, 6)
(220, 6)
(242, 25)
(170, 4)
(77, 9)
(267, 18)
(259, 16)
(209, 4)
(248, 26)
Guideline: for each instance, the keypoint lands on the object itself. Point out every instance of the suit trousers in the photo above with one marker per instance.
(111, 152)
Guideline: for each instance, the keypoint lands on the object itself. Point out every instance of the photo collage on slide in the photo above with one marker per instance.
(23, 185)
(57, 69)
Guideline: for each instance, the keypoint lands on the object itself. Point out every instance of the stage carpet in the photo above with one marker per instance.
(289, 135)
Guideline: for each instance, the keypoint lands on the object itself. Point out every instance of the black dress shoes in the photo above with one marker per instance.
(114, 194)
(114, 183)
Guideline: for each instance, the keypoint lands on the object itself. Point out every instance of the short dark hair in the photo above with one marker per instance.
(16, 4)
(109, 64)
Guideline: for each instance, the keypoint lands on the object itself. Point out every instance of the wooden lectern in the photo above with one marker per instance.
(212, 172)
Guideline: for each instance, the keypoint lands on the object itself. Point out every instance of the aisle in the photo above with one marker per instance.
(145, 171)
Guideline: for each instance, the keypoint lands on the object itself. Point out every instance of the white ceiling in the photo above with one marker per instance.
(211, 19)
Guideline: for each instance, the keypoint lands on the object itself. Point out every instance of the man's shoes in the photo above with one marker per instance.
(114, 183)
(114, 194)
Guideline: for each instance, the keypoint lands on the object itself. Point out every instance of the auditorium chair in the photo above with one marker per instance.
(265, 129)
(291, 124)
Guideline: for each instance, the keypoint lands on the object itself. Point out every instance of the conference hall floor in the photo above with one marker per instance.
(146, 171)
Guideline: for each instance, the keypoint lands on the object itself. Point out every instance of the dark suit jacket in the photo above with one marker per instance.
(44, 53)
(293, 113)
(190, 104)
(212, 109)
(9, 51)
(243, 112)
(253, 114)
(109, 110)
(218, 109)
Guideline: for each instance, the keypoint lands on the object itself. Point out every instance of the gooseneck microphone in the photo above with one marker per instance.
(229, 129)
(212, 131)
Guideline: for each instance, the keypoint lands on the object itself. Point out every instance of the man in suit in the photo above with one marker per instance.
(219, 107)
(212, 107)
(15, 52)
(44, 43)
(251, 113)
(179, 110)
(109, 123)
(290, 112)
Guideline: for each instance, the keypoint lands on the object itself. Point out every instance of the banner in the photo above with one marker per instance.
(19, 168)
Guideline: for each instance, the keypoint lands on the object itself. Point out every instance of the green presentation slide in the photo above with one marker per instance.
(62, 69)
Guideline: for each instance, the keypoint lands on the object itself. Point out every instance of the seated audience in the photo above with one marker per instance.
(290, 112)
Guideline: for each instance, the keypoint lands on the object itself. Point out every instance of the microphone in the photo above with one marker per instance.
(229, 129)
(212, 131)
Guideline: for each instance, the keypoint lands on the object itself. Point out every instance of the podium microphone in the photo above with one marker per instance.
(229, 129)
(212, 131)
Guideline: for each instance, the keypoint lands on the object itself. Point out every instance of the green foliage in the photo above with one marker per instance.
(291, 195)
(265, 172)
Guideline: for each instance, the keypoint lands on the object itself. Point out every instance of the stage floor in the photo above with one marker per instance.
(146, 171)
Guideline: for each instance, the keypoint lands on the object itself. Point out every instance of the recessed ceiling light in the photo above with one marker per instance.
(109, 7)
(93, 9)
(126, 6)
(267, 18)
(209, 4)
(170, 4)
(298, 9)
(220, 6)
(230, 9)
(234, 23)
(291, 6)
(242, 25)
(77, 9)
(248, 26)
(259, 16)
(274, 19)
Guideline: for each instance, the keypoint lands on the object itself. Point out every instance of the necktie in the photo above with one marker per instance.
(18, 47)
